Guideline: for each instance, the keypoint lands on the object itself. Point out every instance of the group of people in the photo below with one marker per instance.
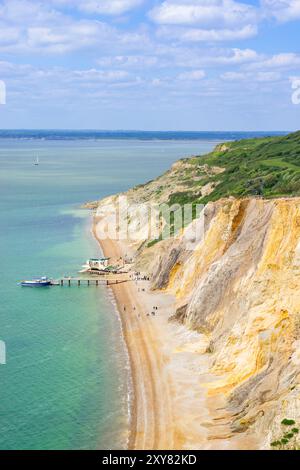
(155, 309)
(139, 277)
(153, 312)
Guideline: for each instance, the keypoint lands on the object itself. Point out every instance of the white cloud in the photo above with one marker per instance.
(156, 82)
(234, 76)
(282, 10)
(35, 26)
(216, 13)
(288, 60)
(154, 60)
(109, 7)
(22, 12)
(268, 76)
(193, 75)
(218, 20)
(241, 55)
(42, 30)
(128, 61)
(215, 35)
(233, 56)
(60, 39)
(283, 60)
(205, 20)
(34, 83)
(248, 76)
(94, 75)
(8, 34)
(102, 7)
(171, 56)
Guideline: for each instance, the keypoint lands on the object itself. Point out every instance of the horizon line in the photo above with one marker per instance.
(135, 130)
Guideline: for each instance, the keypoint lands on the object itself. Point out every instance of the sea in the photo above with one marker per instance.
(65, 383)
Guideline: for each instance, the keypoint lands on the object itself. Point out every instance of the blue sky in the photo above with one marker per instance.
(150, 64)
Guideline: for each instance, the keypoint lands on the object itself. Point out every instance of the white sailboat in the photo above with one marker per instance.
(37, 161)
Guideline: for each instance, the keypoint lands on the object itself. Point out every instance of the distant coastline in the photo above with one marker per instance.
(61, 135)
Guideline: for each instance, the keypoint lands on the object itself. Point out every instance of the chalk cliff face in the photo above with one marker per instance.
(240, 286)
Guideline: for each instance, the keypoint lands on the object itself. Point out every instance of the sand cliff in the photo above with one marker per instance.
(232, 347)
(240, 287)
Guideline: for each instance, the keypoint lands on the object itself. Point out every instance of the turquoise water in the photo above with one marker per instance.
(65, 384)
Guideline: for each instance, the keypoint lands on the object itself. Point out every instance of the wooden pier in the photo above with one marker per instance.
(107, 280)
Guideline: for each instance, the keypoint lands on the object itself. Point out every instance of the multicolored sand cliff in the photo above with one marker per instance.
(228, 339)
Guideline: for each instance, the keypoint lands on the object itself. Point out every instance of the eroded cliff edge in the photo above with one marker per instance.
(240, 287)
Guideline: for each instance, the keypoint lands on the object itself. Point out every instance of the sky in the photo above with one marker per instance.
(150, 64)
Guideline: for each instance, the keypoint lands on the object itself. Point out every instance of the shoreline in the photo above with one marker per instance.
(170, 365)
(132, 407)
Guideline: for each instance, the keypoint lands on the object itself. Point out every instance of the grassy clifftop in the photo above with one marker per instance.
(268, 167)
(263, 167)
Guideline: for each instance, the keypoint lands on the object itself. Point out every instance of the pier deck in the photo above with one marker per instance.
(106, 279)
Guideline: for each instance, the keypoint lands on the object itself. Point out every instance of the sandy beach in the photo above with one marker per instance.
(152, 424)
(166, 367)
(170, 406)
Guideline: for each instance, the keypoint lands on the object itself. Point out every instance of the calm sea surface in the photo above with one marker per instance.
(65, 383)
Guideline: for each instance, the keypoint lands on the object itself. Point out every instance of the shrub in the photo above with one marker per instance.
(288, 422)
(288, 440)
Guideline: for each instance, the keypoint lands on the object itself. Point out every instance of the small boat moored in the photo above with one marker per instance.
(39, 282)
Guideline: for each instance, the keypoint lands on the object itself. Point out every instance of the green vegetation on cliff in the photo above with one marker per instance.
(267, 167)
(289, 438)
